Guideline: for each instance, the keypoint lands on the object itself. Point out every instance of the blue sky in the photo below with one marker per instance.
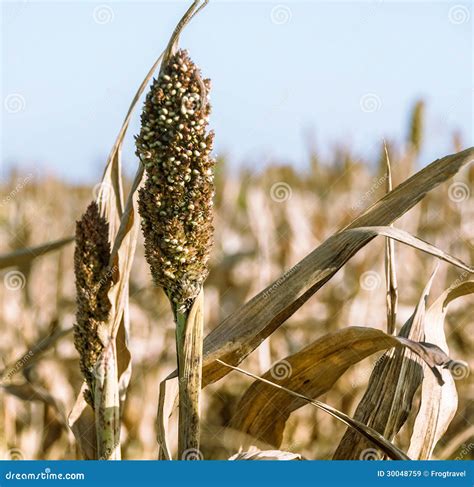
(347, 71)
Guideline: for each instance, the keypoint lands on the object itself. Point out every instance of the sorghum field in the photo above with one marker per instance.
(360, 354)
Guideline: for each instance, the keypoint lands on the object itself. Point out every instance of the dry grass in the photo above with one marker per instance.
(323, 198)
(281, 236)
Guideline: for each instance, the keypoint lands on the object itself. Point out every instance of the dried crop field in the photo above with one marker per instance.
(325, 311)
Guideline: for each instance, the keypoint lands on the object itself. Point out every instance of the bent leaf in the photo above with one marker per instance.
(263, 410)
(373, 436)
(34, 354)
(415, 242)
(438, 403)
(123, 232)
(81, 420)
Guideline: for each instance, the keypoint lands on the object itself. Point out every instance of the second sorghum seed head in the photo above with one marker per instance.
(93, 282)
(175, 202)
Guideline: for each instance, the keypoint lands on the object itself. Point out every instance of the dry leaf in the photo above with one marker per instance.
(242, 331)
(392, 386)
(369, 433)
(23, 257)
(123, 232)
(438, 403)
(263, 411)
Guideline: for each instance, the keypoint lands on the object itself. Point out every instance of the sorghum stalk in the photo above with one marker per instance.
(175, 205)
(97, 362)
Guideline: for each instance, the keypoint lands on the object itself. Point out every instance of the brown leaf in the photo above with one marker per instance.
(263, 411)
(23, 257)
(28, 391)
(242, 331)
(365, 431)
(167, 401)
(44, 344)
(392, 386)
(82, 423)
(415, 242)
(123, 232)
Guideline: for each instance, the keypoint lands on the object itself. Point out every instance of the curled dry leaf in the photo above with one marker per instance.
(365, 431)
(415, 242)
(123, 232)
(263, 411)
(82, 423)
(438, 403)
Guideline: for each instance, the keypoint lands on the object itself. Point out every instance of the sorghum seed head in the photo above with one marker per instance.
(93, 281)
(175, 194)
